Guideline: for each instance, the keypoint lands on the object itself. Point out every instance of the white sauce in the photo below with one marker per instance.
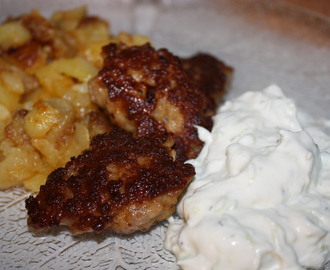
(261, 195)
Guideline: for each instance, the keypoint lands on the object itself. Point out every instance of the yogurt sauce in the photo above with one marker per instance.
(261, 195)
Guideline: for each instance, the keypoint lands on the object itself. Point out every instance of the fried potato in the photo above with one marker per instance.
(46, 113)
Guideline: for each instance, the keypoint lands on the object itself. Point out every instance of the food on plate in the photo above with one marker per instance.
(120, 184)
(260, 198)
(132, 177)
(127, 181)
(46, 112)
(66, 80)
(148, 92)
(46, 115)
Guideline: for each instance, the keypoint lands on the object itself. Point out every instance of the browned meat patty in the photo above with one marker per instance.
(147, 92)
(209, 75)
(120, 184)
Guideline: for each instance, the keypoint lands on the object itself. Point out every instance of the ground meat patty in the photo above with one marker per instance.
(120, 184)
(147, 92)
(210, 75)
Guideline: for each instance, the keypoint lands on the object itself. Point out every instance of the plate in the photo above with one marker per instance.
(266, 42)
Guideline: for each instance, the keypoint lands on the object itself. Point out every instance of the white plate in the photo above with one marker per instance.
(265, 41)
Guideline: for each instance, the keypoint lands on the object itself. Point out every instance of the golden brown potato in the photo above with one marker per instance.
(42, 59)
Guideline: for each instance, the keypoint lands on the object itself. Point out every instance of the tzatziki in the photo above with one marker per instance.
(261, 195)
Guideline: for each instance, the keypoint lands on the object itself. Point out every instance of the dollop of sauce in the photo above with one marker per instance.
(261, 195)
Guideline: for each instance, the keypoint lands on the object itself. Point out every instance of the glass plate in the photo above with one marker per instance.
(265, 41)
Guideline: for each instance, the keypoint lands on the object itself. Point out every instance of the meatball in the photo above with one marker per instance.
(120, 184)
(147, 92)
